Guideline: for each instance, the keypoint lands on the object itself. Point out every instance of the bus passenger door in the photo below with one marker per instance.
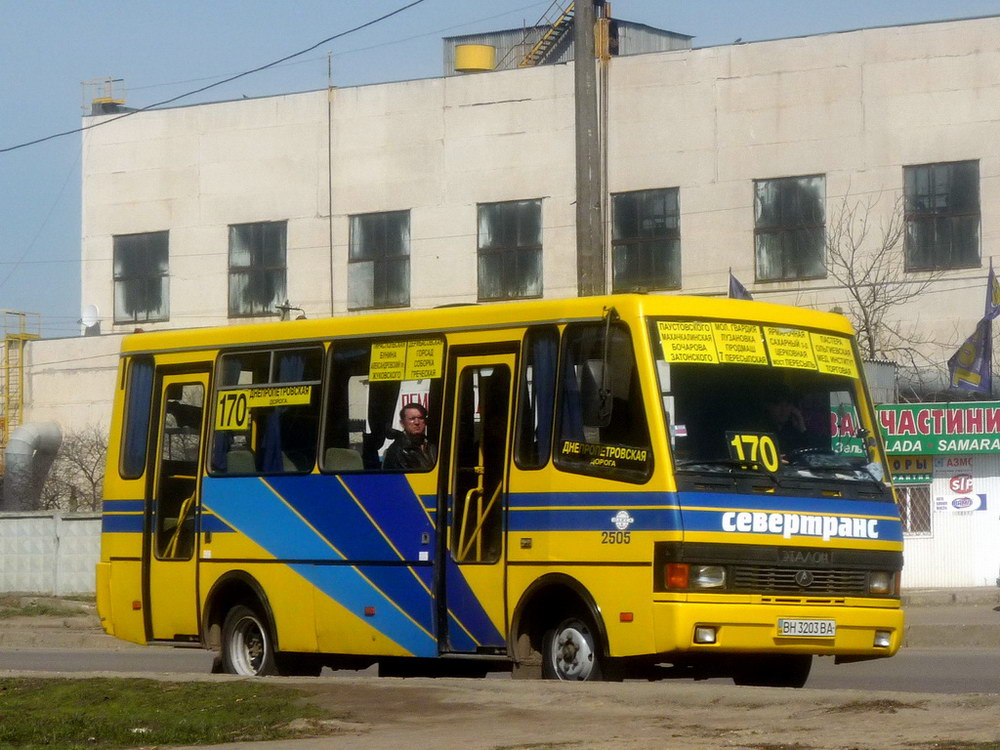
(172, 550)
(480, 399)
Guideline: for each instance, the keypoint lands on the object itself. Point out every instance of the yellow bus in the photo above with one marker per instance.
(575, 489)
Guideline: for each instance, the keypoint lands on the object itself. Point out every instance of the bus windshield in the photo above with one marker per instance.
(747, 402)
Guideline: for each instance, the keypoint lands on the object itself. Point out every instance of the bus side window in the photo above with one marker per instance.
(613, 440)
(363, 415)
(138, 405)
(267, 412)
(536, 397)
(179, 450)
(346, 445)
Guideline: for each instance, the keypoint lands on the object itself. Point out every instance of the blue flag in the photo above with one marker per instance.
(738, 291)
(992, 295)
(971, 367)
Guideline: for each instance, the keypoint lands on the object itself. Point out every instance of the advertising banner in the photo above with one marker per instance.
(960, 493)
(940, 429)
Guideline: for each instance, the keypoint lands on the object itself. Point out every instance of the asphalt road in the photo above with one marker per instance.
(922, 670)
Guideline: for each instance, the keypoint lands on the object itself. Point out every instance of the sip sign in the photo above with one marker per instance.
(961, 495)
(960, 484)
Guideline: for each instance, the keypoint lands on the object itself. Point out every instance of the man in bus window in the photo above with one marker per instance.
(411, 451)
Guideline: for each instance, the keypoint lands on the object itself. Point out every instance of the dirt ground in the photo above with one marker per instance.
(491, 714)
(414, 714)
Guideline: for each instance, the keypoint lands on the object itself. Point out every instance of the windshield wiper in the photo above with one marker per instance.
(828, 462)
(864, 472)
(732, 465)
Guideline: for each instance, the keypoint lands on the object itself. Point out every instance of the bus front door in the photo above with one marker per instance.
(474, 601)
(172, 551)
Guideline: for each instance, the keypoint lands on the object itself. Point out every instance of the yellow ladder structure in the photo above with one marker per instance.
(557, 20)
(18, 328)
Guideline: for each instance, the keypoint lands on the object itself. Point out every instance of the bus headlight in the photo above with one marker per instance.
(708, 576)
(881, 582)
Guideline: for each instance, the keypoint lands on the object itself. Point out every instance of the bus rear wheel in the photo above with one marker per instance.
(570, 652)
(247, 647)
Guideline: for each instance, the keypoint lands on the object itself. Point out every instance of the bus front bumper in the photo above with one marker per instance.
(838, 630)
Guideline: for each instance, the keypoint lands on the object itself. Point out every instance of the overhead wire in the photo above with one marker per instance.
(202, 89)
(283, 62)
(299, 53)
(355, 50)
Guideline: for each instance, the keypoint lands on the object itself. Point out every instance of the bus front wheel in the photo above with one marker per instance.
(570, 652)
(247, 647)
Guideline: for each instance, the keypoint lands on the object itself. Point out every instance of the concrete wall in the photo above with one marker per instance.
(46, 553)
(194, 171)
(71, 381)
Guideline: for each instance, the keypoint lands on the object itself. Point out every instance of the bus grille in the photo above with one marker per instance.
(764, 579)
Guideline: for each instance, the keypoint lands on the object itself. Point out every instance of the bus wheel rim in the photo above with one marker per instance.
(249, 646)
(573, 653)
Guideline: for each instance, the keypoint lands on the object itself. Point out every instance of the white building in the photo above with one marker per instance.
(397, 194)
(462, 189)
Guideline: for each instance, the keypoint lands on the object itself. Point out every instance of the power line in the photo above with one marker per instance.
(355, 50)
(230, 79)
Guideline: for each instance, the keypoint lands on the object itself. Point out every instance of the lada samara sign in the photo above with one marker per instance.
(940, 429)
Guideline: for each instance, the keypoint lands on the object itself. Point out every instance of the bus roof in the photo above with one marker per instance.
(483, 316)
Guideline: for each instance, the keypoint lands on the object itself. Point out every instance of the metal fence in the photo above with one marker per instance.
(49, 553)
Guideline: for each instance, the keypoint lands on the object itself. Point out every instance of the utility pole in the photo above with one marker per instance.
(590, 261)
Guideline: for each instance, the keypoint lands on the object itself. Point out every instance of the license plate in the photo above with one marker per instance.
(807, 628)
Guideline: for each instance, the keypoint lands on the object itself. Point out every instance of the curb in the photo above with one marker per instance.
(951, 636)
(976, 595)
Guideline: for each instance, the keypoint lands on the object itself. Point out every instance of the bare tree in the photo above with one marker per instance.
(76, 479)
(864, 250)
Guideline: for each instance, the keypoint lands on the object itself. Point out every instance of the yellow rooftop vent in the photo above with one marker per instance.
(475, 58)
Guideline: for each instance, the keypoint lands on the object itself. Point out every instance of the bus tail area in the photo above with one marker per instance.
(573, 489)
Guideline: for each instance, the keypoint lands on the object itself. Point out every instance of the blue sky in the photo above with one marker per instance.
(164, 49)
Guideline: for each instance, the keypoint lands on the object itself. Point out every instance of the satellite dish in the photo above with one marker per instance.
(91, 319)
(90, 315)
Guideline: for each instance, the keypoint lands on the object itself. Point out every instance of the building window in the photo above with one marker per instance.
(942, 215)
(141, 281)
(379, 263)
(789, 222)
(915, 508)
(646, 241)
(257, 268)
(510, 250)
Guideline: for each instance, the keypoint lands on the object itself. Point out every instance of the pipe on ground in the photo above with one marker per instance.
(30, 452)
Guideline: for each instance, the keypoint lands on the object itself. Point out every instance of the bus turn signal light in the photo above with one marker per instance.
(677, 575)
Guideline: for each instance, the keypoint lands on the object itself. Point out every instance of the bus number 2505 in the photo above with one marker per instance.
(616, 537)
